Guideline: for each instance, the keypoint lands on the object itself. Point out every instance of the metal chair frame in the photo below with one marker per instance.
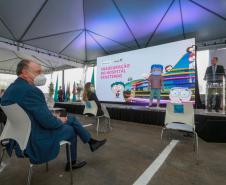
(17, 119)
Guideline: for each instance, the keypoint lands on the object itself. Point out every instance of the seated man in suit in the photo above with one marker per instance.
(214, 77)
(47, 130)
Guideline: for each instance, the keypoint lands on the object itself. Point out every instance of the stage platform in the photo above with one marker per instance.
(209, 126)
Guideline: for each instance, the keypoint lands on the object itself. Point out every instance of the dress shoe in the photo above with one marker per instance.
(95, 144)
(75, 165)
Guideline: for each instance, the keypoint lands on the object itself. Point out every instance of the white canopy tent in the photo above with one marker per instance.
(65, 34)
(11, 54)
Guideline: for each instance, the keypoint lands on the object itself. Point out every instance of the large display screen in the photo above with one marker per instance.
(123, 77)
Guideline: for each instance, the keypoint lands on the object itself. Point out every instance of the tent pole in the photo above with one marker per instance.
(62, 78)
(84, 74)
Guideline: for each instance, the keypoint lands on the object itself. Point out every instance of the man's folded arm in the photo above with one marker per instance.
(35, 104)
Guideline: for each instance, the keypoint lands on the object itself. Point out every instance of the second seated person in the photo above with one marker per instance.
(89, 95)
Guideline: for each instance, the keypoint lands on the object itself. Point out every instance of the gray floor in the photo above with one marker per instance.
(130, 149)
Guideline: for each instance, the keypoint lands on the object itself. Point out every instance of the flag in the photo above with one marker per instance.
(92, 78)
(74, 93)
(68, 92)
(63, 89)
(56, 91)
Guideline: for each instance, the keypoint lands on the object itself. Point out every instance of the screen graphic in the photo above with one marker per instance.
(125, 77)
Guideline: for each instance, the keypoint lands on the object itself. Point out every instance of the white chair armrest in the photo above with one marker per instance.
(64, 142)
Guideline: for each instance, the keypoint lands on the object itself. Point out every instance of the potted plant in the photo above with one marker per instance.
(51, 89)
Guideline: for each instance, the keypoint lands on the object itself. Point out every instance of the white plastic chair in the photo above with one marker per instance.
(181, 121)
(91, 108)
(18, 128)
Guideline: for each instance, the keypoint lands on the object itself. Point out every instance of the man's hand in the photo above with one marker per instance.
(63, 119)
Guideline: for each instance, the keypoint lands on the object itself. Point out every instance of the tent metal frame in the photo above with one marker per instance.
(92, 34)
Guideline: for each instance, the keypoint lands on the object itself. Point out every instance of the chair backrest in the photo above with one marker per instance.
(186, 115)
(18, 125)
(105, 111)
(90, 108)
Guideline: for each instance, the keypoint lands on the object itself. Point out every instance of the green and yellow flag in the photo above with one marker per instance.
(56, 91)
(93, 78)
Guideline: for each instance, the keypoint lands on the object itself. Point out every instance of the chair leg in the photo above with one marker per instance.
(109, 123)
(98, 125)
(197, 142)
(197, 145)
(69, 152)
(29, 174)
(194, 142)
(162, 134)
(2, 155)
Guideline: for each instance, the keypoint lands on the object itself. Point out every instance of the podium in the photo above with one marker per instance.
(215, 93)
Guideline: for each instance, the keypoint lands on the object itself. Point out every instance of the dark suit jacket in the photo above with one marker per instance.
(43, 144)
(219, 72)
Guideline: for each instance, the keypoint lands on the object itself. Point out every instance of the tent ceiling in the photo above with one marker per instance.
(85, 30)
(10, 57)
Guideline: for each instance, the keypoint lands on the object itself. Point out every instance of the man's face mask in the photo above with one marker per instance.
(39, 80)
